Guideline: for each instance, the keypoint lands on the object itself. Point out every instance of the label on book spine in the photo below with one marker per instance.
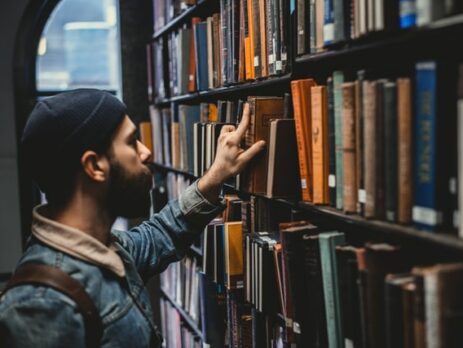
(279, 65)
(256, 60)
(332, 180)
(303, 184)
(427, 216)
(348, 343)
(296, 327)
(362, 196)
(453, 186)
(271, 58)
(328, 32)
(456, 219)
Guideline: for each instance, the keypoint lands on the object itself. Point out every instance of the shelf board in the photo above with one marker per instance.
(185, 316)
(437, 238)
(384, 40)
(227, 91)
(182, 18)
(443, 240)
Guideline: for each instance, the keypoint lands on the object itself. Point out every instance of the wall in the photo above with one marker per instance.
(10, 220)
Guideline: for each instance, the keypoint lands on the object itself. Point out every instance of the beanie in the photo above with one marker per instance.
(61, 128)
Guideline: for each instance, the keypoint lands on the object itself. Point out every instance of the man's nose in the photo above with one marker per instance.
(145, 153)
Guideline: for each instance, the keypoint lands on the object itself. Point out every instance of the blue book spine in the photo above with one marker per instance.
(201, 55)
(328, 25)
(407, 13)
(426, 212)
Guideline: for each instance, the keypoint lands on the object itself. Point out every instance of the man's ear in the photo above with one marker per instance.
(95, 166)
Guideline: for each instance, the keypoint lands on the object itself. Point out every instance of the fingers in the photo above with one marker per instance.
(227, 129)
(247, 155)
(243, 126)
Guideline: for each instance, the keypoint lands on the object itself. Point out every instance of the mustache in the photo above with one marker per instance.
(150, 166)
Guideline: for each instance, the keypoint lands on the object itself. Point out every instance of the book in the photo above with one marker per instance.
(331, 142)
(328, 242)
(283, 174)
(338, 79)
(404, 140)
(391, 150)
(234, 254)
(320, 151)
(302, 108)
(262, 111)
(350, 189)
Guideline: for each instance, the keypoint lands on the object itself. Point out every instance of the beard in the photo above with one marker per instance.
(128, 194)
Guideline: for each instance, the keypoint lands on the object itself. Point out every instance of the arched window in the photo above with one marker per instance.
(80, 47)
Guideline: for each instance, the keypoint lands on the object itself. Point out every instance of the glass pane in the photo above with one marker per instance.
(80, 47)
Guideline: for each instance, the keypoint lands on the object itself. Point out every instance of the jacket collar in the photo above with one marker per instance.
(76, 243)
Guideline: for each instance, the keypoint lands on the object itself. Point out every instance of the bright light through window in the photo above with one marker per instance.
(80, 47)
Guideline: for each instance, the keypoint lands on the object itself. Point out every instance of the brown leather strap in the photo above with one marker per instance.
(55, 278)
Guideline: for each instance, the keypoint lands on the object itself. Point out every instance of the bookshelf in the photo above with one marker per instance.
(447, 242)
(386, 55)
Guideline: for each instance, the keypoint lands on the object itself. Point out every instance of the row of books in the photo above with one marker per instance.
(323, 23)
(174, 138)
(180, 281)
(247, 40)
(376, 146)
(364, 144)
(166, 10)
(308, 286)
(175, 332)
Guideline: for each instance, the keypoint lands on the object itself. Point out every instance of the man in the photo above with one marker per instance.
(83, 151)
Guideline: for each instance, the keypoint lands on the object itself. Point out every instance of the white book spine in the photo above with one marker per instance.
(432, 310)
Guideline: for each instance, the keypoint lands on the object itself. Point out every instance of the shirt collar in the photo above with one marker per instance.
(74, 242)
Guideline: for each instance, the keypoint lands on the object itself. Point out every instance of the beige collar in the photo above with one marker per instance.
(75, 242)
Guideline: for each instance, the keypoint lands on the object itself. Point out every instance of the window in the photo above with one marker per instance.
(80, 47)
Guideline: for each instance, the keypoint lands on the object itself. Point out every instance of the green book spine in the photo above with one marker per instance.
(328, 242)
(338, 80)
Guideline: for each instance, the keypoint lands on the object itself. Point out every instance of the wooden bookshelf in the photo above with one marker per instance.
(381, 55)
(441, 240)
(185, 316)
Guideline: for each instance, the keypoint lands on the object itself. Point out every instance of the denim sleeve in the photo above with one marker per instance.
(40, 322)
(167, 235)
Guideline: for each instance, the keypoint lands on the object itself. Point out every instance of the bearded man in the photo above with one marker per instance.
(83, 151)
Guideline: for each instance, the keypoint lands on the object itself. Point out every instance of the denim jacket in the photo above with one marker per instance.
(114, 277)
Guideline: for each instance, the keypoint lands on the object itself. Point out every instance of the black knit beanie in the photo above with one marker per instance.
(61, 128)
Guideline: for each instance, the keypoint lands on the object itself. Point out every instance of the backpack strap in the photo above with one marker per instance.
(39, 274)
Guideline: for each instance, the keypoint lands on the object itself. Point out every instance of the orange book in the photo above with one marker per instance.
(301, 102)
(249, 42)
(212, 112)
(320, 153)
(146, 135)
(234, 254)
(192, 67)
